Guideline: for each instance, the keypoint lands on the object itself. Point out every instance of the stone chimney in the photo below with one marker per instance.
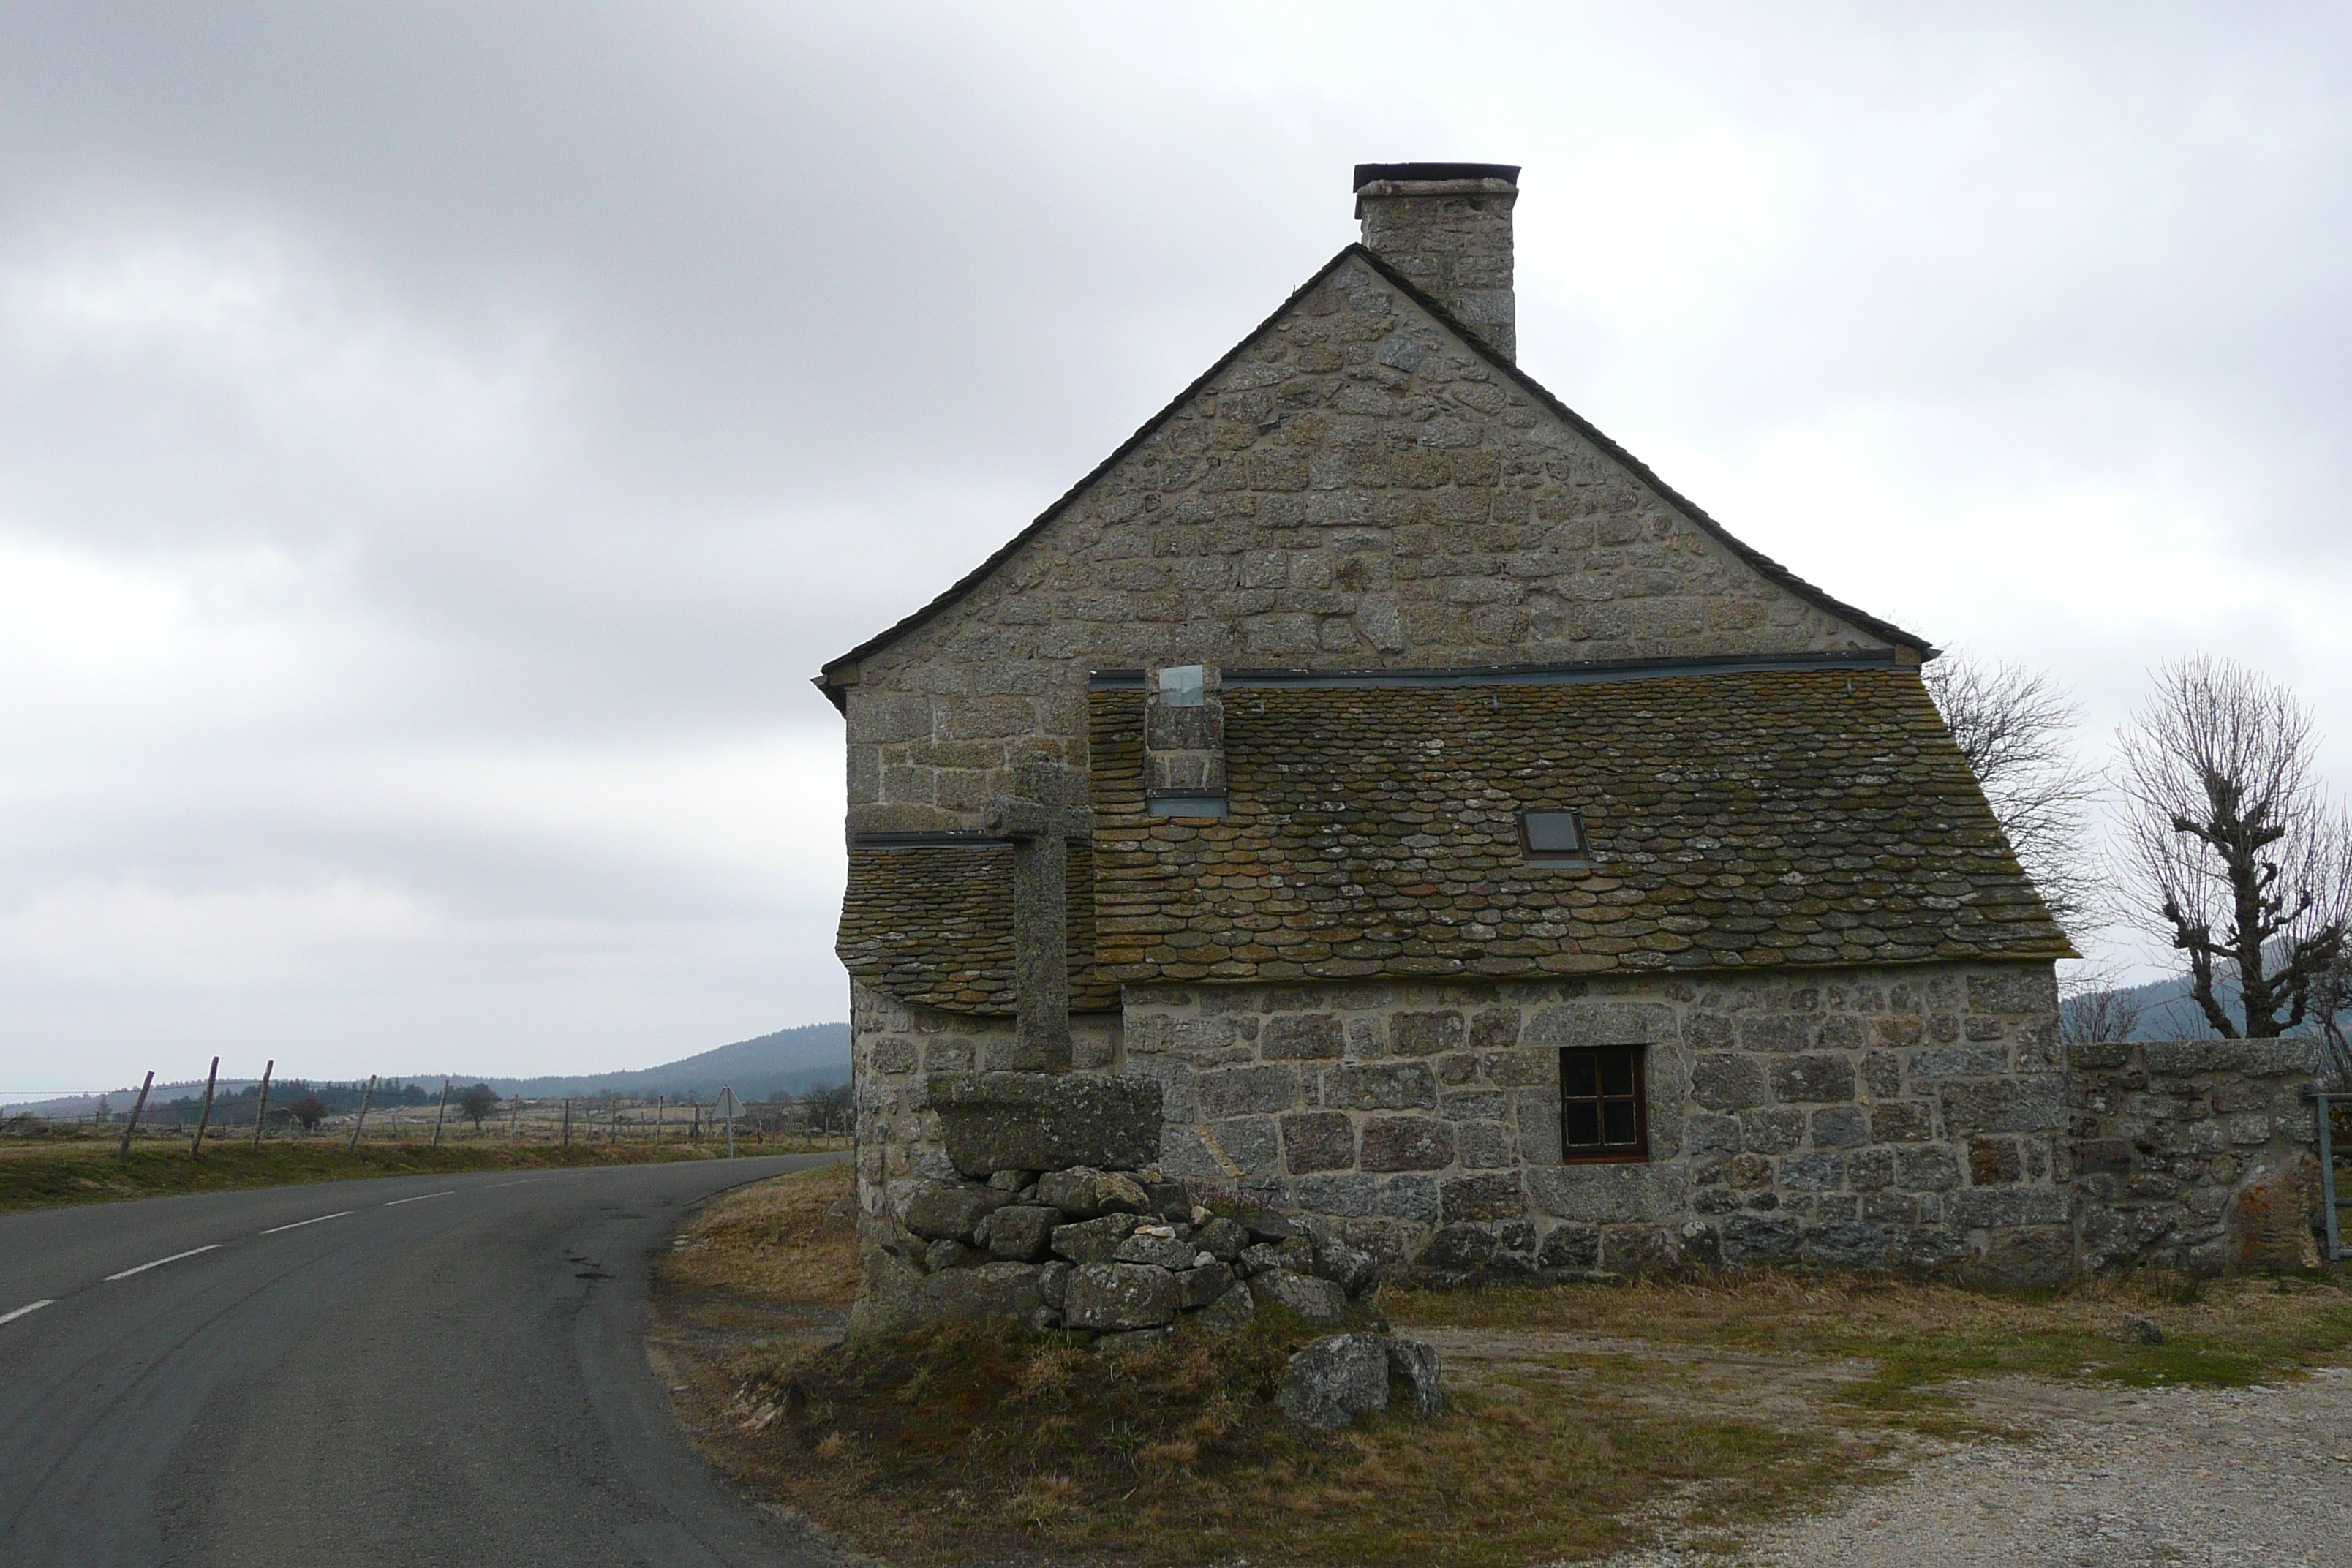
(1447, 227)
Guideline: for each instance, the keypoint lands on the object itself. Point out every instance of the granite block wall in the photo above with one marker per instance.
(1910, 1118)
(2198, 1155)
(894, 1044)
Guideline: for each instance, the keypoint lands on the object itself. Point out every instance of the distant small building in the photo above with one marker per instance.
(1481, 848)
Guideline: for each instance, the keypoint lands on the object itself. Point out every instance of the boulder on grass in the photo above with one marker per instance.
(1414, 1364)
(1335, 1379)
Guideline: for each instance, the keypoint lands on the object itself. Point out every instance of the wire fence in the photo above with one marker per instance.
(380, 1111)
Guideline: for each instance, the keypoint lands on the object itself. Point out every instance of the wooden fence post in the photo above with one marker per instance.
(132, 1125)
(261, 1112)
(440, 1113)
(729, 1095)
(366, 1095)
(205, 1117)
(567, 1122)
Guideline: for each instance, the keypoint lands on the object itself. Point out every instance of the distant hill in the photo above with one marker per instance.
(789, 1061)
(2167, 1012)
(792, 1061)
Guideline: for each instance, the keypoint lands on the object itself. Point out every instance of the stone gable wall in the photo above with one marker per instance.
(1358, 489)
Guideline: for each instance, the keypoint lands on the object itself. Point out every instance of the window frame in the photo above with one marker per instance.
(1634, 1153)
(1581, 856)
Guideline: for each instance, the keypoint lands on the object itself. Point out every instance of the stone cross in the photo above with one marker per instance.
(1049, 809)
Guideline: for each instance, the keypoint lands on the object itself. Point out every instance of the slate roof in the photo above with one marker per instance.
(1738, 818)
(933, 923)
(1762, 565)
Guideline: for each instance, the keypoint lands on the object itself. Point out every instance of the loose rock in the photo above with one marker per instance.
(1335, 1379)
(942, 1213)
(1228, 1315)
(1319, 1302)
(1117, 1295)
(1094, 1240)
(1022, 1232)
(1203, 1285)
(2136, 1331)
(1084, 1194)
(1155, 1245)
(1221, 1236)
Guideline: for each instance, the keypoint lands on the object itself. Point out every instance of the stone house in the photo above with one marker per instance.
(1480, 847)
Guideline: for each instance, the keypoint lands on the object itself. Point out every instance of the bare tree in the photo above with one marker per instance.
(2095, 1008)
(2239, 860)
(831, 1106)
(2014, 726)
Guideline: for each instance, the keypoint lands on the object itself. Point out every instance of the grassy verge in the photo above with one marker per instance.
(977, 1447)
(2227, 1333)
(45, 1174)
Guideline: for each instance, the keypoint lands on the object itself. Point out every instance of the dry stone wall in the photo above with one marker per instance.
(2198, 1155)
(1897, 1117)
(1357, 489)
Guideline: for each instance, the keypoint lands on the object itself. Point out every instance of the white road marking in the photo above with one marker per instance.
(524, 1182)
(21, 1311)
(161, 1262)
(420, 1197)
(299, 1223)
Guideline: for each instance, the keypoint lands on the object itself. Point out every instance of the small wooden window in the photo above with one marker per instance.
(1604, 1111)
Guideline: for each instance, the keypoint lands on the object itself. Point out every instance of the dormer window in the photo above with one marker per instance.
(1553, 837)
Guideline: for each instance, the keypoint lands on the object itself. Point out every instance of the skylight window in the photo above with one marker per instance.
(1181, 686)
(1553, 837)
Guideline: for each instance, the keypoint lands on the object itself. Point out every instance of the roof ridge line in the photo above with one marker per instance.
(1356, 250)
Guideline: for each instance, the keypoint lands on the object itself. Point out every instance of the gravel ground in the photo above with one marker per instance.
(2113, 1479)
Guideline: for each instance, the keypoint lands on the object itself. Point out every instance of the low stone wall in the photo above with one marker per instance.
(1052, 1218)
(1912, 1120)
(2198, 1155)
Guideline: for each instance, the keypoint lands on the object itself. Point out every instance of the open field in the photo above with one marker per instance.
(40, 1173)
(1588, 1421)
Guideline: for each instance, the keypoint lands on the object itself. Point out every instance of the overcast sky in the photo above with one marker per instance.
(438, 443)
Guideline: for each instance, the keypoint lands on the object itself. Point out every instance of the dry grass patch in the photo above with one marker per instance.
(965, 1446)
(793, 1239)
(984, 1447)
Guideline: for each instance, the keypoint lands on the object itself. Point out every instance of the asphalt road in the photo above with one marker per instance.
(430, 1370)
